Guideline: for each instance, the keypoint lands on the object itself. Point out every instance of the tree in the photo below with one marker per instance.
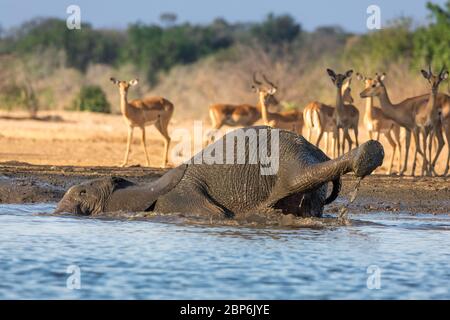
(277, 30)
(432, 42)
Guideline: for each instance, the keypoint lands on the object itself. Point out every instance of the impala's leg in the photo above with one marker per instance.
(394, 147)
(328, 142)
(370, 135)
(333, 144)
(416, 134)
(319, 137)
(447, 137)
(161, 126)
(144, 145)
(309, 134)
(407, 145)
(440, 146)
(396, 131)
(349, 140)
(338, 141)
(356, 132)
(127, 151)
(378, 135)
(425, 135)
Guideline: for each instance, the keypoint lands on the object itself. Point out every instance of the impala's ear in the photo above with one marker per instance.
(349, 73)
(382, 76)
(133, 82)
(360, 77)
(332, 74)
(444, 75)
(425, 74)
(114, 80)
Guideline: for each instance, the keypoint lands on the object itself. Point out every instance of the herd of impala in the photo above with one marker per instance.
(425, 117)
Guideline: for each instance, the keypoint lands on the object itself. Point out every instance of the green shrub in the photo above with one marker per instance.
(92, 98)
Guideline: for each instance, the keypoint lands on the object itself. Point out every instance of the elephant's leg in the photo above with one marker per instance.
(192, 201)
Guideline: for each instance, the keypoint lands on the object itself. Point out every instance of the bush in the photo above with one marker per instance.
(92, 98)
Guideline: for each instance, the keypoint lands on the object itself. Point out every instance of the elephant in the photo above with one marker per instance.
(235, 176)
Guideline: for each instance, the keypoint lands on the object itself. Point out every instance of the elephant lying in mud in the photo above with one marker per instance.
(221, 181)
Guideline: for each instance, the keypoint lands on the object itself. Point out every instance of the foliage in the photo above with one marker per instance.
(432, 42)
(91, 98)
(381, 47)
(276, 30)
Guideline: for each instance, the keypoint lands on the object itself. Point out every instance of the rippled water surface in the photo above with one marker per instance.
(150, 260)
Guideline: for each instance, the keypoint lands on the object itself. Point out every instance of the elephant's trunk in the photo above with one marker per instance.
(362, 161)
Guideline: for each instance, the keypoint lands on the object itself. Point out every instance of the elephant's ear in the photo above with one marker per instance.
(120, 183)
(133, 198)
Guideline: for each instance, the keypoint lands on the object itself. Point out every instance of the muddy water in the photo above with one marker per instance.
(403, 255)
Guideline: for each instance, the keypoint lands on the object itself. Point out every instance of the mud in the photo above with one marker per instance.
(25, 183)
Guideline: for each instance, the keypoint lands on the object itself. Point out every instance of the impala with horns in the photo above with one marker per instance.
(289, 120)
(140, 113)
(237, 115)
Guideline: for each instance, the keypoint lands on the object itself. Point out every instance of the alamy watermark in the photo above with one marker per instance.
(374, 19)
(374, 278)
(241, 146)
(73, 282)
(73, 21)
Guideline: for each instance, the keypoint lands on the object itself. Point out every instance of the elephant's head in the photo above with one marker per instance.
(91, 197)
(111, 194)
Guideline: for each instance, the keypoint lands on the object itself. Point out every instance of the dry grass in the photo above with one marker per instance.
(89, 139)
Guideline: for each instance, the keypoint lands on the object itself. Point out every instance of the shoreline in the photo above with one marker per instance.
(22, 183)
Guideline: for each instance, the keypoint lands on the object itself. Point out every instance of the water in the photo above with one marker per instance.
(150, 260)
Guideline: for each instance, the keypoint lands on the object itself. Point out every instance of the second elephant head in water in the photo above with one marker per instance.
(223, 189)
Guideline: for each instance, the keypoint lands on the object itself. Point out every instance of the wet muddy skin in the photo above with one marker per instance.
(25, 183)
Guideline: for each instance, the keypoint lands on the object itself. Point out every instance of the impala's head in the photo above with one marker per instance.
(124, 85)
(266, 89)
(367, 81)
(374, 87)
(435, 80)
(339, 79)
(347, 92)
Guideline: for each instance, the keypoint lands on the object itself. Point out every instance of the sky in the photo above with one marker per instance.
(350, 14)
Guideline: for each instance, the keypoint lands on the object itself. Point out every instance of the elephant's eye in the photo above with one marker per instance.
(82, 192)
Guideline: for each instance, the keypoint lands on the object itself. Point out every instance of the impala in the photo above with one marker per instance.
(320, 117)
(376, 123)
(140, 113)
(407, 114)
(289, 120)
